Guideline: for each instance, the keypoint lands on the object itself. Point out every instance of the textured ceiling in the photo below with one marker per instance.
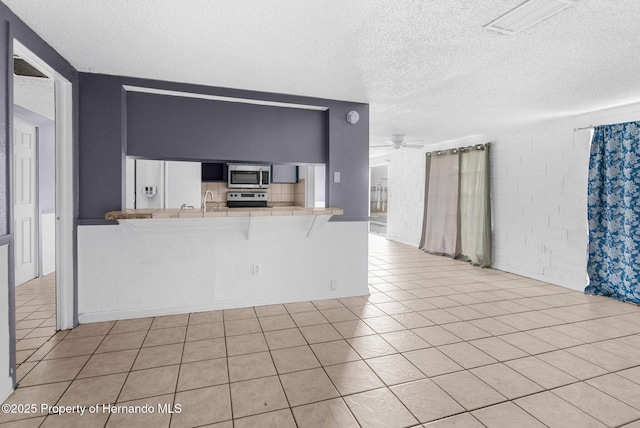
(427, 68)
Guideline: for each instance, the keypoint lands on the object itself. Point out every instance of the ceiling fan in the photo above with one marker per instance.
(397, 142)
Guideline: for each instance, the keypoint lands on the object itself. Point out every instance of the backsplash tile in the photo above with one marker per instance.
(278, 194)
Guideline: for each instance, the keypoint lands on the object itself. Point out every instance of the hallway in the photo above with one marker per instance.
(35, 319)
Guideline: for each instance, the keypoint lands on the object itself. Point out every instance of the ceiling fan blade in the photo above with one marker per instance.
(398, 142)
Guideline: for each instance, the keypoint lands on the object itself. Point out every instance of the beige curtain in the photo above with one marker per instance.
(457, 211)
(475, 207)
(440, 224)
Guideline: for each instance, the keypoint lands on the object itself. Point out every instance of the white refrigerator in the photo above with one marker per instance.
(162, 184)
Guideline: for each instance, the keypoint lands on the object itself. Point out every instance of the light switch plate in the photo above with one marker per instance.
(336, 177)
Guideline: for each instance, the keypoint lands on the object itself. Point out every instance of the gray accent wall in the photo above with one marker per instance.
(114, 123)
(199, 129)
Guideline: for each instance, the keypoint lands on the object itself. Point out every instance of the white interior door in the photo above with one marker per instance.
(25, 204)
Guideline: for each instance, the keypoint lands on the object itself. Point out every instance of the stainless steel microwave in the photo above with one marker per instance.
(249, 176)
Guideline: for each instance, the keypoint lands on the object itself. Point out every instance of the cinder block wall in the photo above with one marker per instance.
(539, 191)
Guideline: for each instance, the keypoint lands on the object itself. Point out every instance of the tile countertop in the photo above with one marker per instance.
(220, 212)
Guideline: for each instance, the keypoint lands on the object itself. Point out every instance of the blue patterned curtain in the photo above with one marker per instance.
(613, 211)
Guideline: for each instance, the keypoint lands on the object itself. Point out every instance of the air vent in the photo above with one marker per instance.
(23, 68)
(526, 15)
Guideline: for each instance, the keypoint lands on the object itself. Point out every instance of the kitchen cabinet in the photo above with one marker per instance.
(284, 173)
(214, 172)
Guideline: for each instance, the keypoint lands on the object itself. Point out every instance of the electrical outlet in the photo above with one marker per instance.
(334, 284)
(256, 269)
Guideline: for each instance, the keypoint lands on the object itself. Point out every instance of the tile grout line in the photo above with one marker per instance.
(586, 318)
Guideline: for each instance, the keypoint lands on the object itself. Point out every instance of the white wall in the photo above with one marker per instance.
(35, 94)
(6, 383)
(406, 200)
(379, 175)
(319, 184)
(540, 197)
(314, 179)
(307, 173)
(164, 266)
(539, 182)
(48, 236)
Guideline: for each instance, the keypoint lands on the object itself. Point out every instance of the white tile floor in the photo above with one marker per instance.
(437, 343)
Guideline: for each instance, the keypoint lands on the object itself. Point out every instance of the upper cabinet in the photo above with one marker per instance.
(279, 173)
(284, 174)
(214, 171)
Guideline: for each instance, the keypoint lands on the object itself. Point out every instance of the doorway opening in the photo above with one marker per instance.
(33, 207)
(379, 198)
(33, 177)
(42, 259)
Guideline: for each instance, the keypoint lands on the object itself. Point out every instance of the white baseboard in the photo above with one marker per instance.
(402, 241)
(544, 278)
(155, 312)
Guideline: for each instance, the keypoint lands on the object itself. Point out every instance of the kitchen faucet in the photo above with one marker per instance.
(204, 200)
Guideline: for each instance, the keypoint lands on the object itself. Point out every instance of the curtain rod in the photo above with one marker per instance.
(458, 149)
(584, 127)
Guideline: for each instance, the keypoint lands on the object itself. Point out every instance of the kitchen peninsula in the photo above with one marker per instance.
(175, 261)
(158, 261)
(205, 220)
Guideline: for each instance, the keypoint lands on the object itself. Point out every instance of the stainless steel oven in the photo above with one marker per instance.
(249, 176)
(240, 199)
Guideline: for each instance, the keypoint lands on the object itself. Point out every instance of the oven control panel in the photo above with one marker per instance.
(247, 196)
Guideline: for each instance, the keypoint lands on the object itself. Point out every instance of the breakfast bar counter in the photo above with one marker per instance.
(193, 260)
(220, 212)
